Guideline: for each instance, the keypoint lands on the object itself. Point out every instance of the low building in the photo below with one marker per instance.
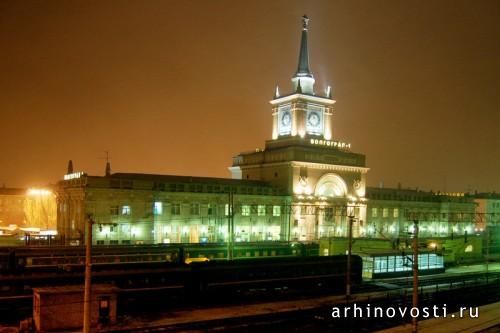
(61, 308)
(12, 206)
(27, 216)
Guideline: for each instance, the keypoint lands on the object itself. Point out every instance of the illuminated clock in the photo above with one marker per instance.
(286, 119)
(314, 122)
(313, 119)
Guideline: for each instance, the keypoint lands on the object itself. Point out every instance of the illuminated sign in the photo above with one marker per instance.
(74, 175)
(329, 143)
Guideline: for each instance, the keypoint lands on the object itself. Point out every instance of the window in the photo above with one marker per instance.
(261, 210)
(226, 209)
(245, 210)
(158, 208)
(114, 210)
(195, 209)
(175, 209)
(329, 212)
(374, 212)
(125, 210)
(395, 213)
(276, 210)
(385, 212)
(212, 209)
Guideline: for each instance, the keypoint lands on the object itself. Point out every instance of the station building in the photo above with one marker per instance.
(304, 185)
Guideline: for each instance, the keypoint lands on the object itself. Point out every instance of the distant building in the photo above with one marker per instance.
(488, 209)
(25, 213)
(12, 206)
(441, 214)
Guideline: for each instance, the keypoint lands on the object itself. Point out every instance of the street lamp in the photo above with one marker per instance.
(351, 217)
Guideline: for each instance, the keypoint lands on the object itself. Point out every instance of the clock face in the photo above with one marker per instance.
(286, 119)
(314, 122)
(313, 119)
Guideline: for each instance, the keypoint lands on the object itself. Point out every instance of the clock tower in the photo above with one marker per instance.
(302, 112)
(322, 176)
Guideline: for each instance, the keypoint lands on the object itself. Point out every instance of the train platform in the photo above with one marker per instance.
(487, 321)
(191, 317)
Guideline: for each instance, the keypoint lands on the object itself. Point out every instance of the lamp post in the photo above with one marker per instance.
(230, 225)
(350, 215)
(414, 320)
(88, 277)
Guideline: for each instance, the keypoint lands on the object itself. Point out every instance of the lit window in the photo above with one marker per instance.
(385, 212)
(261, 210)
(175, 209)
(395, 213)
(125, 210)
(276, 210)
(226, 210)
(158, 208)
(245, 210)
(374, 212)
(195, 209)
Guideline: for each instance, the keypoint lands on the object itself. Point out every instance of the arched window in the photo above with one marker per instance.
(331, 185)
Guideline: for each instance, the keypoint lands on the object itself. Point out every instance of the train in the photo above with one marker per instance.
(49, 259)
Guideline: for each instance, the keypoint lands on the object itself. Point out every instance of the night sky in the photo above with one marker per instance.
(179, 87)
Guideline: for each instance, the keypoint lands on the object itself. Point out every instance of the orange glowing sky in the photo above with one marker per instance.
(179, 87)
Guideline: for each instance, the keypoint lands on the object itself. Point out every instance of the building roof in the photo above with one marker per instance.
(401, 194)
(69, 289)
(486, 195)
(189, 179)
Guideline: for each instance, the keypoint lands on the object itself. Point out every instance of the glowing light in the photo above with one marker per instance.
(74, 175)
(432, 245)
(48, 232)
(38, 192)
(329, 143)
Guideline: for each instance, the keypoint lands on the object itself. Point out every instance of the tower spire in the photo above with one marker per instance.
(303, 68)
(303, 72)
(107, 172)
(70, 167)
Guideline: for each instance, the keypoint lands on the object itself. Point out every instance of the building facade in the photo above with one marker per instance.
(391, 210)
(304, 185)
(149, 209)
